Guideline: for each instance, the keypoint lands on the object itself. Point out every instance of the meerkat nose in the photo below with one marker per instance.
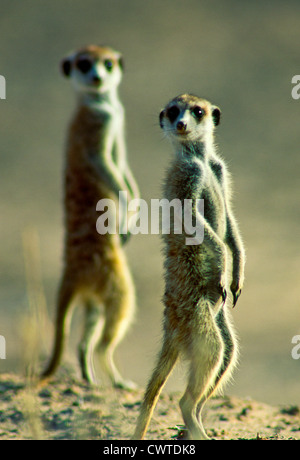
(96, 79)
(181, 126)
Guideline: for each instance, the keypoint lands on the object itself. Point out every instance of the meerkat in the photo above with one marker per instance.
(197, 326)
(95, 271)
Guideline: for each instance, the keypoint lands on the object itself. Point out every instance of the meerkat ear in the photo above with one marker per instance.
(121, 63)
(216, 115)
(65, 66)
(161, 116)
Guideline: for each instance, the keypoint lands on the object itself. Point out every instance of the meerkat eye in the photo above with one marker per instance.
(108, 64)
(172, 113)
(84, 65)
(198, 112)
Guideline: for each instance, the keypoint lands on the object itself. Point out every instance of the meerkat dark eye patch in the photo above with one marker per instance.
(108, 65)
(84, 65)
(172, 113)
(198, 112)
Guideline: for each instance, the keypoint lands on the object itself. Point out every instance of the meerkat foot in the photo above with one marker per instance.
(127, 385)
(88, 377)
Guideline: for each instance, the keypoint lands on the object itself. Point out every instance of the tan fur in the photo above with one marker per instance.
(95, 267)
(196, 318)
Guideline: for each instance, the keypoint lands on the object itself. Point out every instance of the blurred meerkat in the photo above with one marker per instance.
(95, 270)
(196, 321)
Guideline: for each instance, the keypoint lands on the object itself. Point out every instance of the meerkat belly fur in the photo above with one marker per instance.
(95, 270)
(196, 317)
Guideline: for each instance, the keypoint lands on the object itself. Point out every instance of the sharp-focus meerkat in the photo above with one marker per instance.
(196, 322)
(95, 270)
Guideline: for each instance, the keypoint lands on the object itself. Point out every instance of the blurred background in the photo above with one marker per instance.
(241, 56)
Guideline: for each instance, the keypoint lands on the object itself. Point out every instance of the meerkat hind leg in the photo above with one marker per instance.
(166, 362)
(119, 307)
(189, 403)
(92, 330)
(63, 319)
(229, 359)
(105, 352)
(206, 354)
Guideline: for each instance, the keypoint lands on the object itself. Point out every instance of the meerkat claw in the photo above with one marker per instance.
(236, 296)
(223, 293)
(224, 296)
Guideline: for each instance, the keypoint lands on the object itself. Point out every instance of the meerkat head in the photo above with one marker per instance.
(188, 118)
(94, 69)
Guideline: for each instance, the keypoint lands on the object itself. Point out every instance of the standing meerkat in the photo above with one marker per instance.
(95, 270)
(196, 322)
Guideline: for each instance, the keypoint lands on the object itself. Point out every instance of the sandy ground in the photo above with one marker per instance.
(68, 409)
